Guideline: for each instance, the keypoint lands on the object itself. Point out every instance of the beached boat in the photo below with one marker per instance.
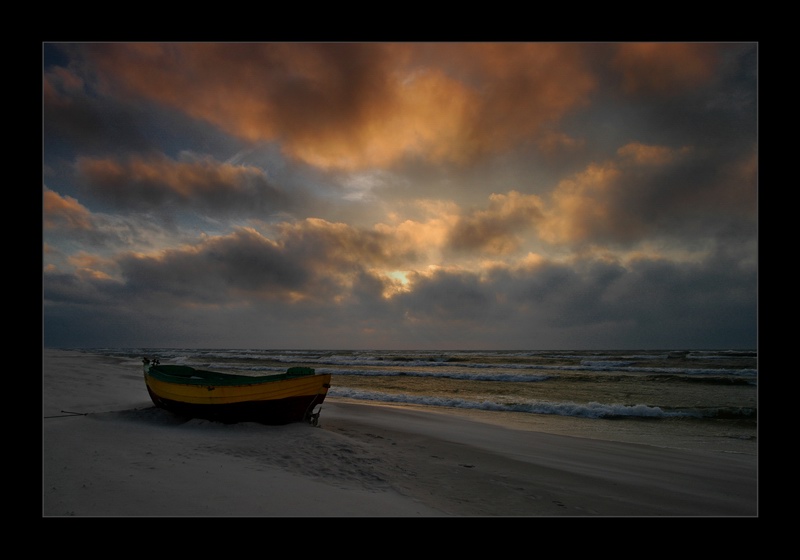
(281, 398)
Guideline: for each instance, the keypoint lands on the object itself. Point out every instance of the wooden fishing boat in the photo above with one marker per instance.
(281, 398)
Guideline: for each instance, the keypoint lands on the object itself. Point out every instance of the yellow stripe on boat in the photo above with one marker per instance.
(221, 394)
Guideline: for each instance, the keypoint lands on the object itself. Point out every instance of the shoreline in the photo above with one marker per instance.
(681, 434)
(124, 457)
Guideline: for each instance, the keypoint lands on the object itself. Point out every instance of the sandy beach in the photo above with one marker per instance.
(108, 452)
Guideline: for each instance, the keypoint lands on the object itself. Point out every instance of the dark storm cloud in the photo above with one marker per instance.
(601, 299)
(310, 261)
(78, 290)
(72, 119)
(684, 303)
(338, 245)
(77, 120)
(161, 185)
(448, 296)
(218, 271)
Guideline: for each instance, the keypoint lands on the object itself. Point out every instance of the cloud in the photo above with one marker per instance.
(355, 106)
(400, 194)
(641, 154)
(64, 213)
(217, 271)
(664, 68)
(496, 230)
(650, 192)
(161, 185)
(67, 224)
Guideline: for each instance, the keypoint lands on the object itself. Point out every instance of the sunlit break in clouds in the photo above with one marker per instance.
(400, 195)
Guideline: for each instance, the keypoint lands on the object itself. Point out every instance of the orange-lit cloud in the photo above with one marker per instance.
(552, 142)
(497, 230)
(592, 205)
(64, 212)
(90, 266)
(642, 154)
(183, 179)
(580, 206)
(423, 238)
(155, 183)
(664, 68)
(354, 106)
(340, 245)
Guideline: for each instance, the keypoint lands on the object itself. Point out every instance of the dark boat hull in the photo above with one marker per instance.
(275, 412)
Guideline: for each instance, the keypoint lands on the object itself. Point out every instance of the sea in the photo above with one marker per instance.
(694, 399)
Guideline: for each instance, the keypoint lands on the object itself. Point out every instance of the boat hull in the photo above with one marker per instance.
(284, 400)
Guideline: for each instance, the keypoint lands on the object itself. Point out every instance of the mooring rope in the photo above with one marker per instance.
(68, 413)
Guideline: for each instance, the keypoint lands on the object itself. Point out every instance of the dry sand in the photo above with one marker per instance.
(121, 457)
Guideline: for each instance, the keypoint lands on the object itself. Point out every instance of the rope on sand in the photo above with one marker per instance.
(68, 413)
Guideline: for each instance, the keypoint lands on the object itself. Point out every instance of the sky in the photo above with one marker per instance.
(509, 196)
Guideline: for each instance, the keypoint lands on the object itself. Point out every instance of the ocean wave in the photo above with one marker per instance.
(706, 376)
(501, 377)
(588, 410)
(425, 368)
(496, 365)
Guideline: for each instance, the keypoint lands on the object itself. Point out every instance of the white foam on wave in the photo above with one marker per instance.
(588, 410)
